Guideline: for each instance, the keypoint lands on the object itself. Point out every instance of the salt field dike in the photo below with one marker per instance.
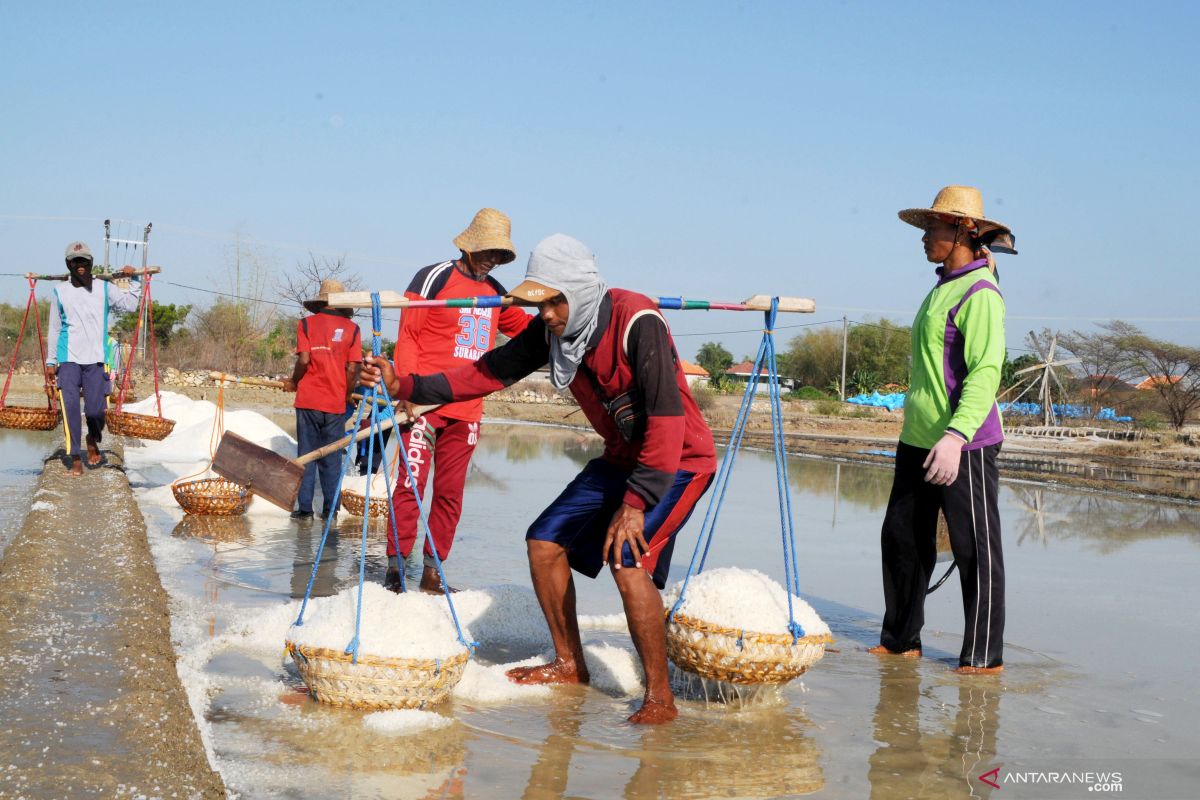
(142, 649)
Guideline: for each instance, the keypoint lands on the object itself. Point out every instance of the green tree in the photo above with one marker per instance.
(877, 352)
(715, 359)
(167, 320)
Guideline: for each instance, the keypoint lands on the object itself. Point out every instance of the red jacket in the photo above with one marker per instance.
(439, 339)
(631, 350)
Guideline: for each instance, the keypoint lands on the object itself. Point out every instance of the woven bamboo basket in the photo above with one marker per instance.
(139, 426)
(353, 503)
(29, 418)
(375, 683)
(215, 497)
(741, 657)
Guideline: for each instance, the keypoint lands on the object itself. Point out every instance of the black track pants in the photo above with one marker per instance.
(908, 545)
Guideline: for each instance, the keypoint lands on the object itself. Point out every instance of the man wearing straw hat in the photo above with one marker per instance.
(946, 457)
(437, 339)
(614, 351)
(77, 337)
(328, 351)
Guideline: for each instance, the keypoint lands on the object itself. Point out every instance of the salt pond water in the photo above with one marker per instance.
(1100, 643)
(21, 456)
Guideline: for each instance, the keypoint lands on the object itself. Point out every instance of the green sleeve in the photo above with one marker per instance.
(981, 320)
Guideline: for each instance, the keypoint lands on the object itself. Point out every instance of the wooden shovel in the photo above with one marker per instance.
(271, 476)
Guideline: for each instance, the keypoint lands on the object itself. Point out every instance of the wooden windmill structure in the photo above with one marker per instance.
(1042, 377)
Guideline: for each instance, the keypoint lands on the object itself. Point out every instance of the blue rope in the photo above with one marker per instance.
(337, 496)
(381, 391)
(767, 353)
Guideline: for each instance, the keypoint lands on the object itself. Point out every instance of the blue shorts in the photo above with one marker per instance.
(578, 518)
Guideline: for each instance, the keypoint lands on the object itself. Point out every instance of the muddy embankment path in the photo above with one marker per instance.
(90, 701)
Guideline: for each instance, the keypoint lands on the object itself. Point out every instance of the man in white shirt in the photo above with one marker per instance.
(76, 339)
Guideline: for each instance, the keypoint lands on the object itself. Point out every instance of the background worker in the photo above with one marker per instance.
(613, 350)
(77, 337)
(946, 457)
(437, 339)
(328, 351)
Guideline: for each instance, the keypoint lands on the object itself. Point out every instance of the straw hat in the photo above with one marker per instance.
(490, 230)
(963, 202)
(328, 286)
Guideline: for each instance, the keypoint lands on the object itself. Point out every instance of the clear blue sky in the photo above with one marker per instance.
(707, 149)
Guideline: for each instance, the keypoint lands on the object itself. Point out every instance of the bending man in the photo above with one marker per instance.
(614, 352)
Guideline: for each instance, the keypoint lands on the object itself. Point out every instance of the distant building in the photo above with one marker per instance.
(742, 372)
(696, 375)
(1096, 385)
(1154, 381)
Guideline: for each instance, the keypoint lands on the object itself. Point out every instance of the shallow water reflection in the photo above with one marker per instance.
(1095, 584)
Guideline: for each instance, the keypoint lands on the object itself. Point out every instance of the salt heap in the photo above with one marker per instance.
(744, 600)
(412, 625)
(404, 721)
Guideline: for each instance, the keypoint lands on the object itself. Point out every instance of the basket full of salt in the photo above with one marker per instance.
(411, 655)
(732, 626)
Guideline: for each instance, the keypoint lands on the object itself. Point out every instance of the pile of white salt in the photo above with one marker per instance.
(410, 625)
(745, 600)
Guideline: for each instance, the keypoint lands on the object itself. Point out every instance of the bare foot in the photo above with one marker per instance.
(978, 670)
(76, 468)
(655, 712)
(557, 671)
(93, 451)
(431, 582)
(880, 650)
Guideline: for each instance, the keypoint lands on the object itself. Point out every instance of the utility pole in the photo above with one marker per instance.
(845, 339)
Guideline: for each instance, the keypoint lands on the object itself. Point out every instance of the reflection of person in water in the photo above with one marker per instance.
(946, 456)
(911, 763)
(766, 755)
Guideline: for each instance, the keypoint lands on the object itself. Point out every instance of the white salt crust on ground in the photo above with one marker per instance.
(409, 625)
(187, 450)
(487, 683)
(405, 721)
(744, 599)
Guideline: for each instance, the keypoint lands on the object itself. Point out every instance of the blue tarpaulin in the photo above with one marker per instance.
(893, 402)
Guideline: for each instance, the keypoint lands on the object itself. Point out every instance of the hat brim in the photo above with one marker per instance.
(920, 217)
(478, 245)
(531, 293)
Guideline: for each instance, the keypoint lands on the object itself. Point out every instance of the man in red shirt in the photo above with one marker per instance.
(614, 352)
(437, 339)
(328, 351)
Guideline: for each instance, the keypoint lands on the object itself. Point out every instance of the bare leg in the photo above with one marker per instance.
(556, 593)
(431, 582)
(93, 450)
(880, 650)
(644, 612)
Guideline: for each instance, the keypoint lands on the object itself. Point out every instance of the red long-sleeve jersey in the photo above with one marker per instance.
(630, 351)
(439, 339)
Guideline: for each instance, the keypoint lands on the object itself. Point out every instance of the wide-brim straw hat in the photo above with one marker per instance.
(328, 286)
(490, 230)
(962, 202)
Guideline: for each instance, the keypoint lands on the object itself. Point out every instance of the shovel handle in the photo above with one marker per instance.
(387, 424)
(221, 377)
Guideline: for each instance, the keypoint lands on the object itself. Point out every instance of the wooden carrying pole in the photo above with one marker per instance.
(392, 299)
(221, 377)
(112, 276)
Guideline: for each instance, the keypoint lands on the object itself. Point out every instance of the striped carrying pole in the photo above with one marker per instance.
(391, 299)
